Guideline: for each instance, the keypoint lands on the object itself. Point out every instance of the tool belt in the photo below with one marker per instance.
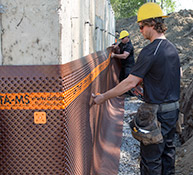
(145, 136)
(145, 127)
(166, 107)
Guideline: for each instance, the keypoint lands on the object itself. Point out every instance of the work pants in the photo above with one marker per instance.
(125, 71)
(159, 159)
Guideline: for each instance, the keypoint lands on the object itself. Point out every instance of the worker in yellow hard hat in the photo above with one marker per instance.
(126, 55)
(123, 34)
(165, 68)
(158, 66)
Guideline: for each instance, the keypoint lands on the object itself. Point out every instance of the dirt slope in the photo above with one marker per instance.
(180, 33)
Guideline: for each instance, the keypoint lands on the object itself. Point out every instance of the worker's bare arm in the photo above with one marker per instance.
(120, 56)
(130, 82)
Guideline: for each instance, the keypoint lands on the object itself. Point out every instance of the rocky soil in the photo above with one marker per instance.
(180, 33)
(129, 157)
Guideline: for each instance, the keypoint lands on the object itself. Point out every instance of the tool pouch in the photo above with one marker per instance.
(145, 126)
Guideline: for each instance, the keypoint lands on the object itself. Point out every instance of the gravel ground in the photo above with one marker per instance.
(129, 157)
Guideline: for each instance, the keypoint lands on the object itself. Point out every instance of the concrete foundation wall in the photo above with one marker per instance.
(30, 32)
(42, 32)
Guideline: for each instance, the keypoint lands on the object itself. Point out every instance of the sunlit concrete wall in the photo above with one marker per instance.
(88, 26)
(30, 32)
(54, 32)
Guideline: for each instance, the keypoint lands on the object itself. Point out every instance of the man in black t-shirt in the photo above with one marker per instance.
(158, 65)
(126, 55)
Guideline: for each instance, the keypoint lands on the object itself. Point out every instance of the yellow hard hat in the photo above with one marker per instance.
(123, 34)
(149, 10)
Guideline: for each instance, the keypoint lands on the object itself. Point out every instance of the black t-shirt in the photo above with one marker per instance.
(128, 47)
(159, 66)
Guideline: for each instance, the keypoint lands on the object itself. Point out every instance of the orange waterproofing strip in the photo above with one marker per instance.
(48, 122)
(50, 100)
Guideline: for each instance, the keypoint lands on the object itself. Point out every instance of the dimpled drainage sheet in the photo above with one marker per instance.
(48, 123)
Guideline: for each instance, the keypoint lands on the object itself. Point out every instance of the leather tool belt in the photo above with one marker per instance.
(166, 107)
